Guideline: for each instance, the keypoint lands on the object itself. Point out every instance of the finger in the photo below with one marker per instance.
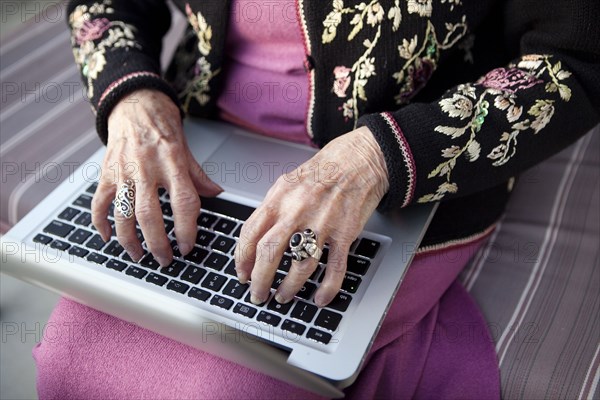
(186, 208)
(105, 193)
(334, 273)
(269, 251)
(245, 252)
(203, 184)
(298, 275)
(149, 215)
(126, 235)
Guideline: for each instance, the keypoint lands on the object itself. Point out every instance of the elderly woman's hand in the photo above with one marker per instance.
(146, 144)
(334, 194)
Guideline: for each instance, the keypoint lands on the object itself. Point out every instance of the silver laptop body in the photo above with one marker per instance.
(246, 165)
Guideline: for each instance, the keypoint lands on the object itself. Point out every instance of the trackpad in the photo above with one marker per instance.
(251, 164)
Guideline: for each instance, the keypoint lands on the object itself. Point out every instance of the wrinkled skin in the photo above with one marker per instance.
(334, 194)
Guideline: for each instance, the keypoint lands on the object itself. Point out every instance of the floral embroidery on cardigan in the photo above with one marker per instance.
(500, 90)
(421, 60)
(86, 30)
(197, 87)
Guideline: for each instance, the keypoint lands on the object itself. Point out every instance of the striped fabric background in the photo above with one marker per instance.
(537, 281)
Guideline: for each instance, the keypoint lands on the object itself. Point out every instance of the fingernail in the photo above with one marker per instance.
(280, 299)
(242, 277)
(319, 300)
(106, 233)
(162, 261)
(255, 300)
(185, 248)
(135, 256)
(217, 187)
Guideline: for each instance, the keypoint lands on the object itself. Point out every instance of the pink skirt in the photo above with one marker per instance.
(434, 343)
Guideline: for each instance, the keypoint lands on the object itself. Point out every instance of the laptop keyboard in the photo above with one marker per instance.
(207, 274)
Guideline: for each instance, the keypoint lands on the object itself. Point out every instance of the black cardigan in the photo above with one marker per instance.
(461, 95)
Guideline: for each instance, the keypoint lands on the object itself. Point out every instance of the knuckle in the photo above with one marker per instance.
(186, 200)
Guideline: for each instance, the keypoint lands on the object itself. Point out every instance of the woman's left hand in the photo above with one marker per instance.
(334, 194)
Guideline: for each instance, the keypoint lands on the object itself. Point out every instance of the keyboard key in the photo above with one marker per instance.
(294, 327)
(97, 258)
(116, 265)
(214, 282)
(230, 270)
(351, 283)
(235, 289)
(318, 335)
(59, 228)
(92, 188)
(358, 265)
(177, 286)
(285, 263)
(225, 225)
(367, 248)
(304, 311)
(78, 251)
(203, 238)
(315, 274)
(278, 279)
(95, 243)
(162, 191)
(174, 269)
(175, 248)
(216, 261)
(41, 238)
(237, 232)
(197, 255)
(328, 320)
(268, 318)
(282, 309)
(79, 236)
(340, 302)
(222, 302)
(206, 220)
(166, 209)
(324, 256)
(193, 274)
(84, 219)
(168, 226)
(245, 310)
(223, 244)
(157, 279)
(225, 207)
(113, 249)
(199, 294)
(136, 272)
(60, 245)
(68, 213)
(247, 300)
(84, 201)
(307, 290)
(149, 262)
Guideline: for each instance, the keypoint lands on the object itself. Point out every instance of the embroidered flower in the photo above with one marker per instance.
(395, 15)
(543, 110)
(531, 61)
(95, 65)
(510, 80)
(342, 80)
(348, 109)
(367, 69)
(91, 30)
(406, 49)
(421, 7)
(202, 29)
(458, 106)
(375, 14)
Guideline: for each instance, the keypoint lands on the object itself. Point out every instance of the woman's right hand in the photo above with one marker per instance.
(146, 144)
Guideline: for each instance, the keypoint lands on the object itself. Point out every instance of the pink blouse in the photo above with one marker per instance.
(265, 86)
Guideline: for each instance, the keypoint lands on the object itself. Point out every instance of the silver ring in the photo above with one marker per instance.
(304, 245)
(125, 200)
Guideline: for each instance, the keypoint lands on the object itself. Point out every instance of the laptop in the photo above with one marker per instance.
(197, 300)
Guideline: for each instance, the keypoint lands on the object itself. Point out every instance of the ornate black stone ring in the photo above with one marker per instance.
(304, 245)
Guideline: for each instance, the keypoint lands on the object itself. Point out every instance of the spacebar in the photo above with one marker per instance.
(226, 207)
